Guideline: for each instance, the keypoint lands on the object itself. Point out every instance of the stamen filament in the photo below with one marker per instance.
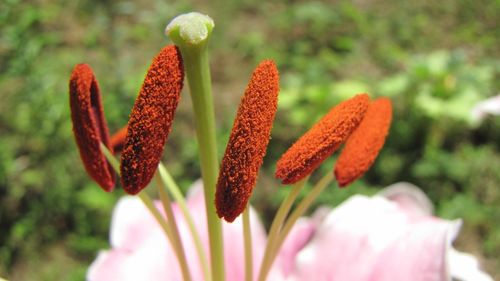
(170, 184)
(302, 208)
(146, 200)
(172, 224)
(277, 224)
(89, 125)
(296, 214)
(247, 237)
(111, 159)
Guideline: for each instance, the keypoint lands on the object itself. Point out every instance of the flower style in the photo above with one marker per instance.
(89, 125)
(248, 142)
(323, 139)
(151, 120)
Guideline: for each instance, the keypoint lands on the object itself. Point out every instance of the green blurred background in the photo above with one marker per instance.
(434, 59)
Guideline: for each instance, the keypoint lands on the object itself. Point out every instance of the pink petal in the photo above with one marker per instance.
(465, 267)
(485, 107)
(142, 252)
(131, 224)
(234, 257)
(234, 254)
(374, 239)
(143, 263)
(420, 252)
(409, 198)
(136, 238)
(298, 238)
(302, 232)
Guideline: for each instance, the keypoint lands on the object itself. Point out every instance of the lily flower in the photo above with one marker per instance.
(390, 236)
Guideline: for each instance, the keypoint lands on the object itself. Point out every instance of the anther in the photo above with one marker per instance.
(89, 125)
(363, 146)
(248, 142)
(151, 120)
(324, 138)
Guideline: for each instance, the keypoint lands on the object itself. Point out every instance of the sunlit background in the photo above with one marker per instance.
(434, 59)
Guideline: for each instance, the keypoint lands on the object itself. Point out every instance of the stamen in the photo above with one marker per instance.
(118, 140)
(248, 142)
(324, 138)
(364, 144)
(89, 125)
(151, 119)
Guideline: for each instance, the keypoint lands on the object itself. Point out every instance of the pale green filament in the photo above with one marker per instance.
(172, 224)
(294, 216)
(146, 200)
(169, 182)
(247, 237)
(109, 156)
(276, 227)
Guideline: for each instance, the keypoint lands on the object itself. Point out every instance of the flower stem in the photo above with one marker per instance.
(247, 237)
(170, 184)
(190, 32)
(297, 213)
(276, 227)
(176, 241)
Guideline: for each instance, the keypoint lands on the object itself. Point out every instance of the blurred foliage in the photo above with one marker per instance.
(435, 60)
